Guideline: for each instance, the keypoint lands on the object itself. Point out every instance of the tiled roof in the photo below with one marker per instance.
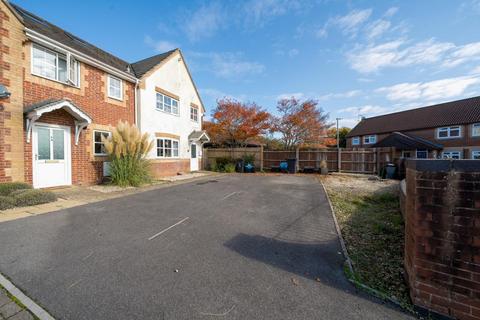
(404, 141)
(444, 114)
(47, 29)
(143, 66)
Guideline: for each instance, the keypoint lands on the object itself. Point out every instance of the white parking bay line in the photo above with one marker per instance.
(173, 225)
(231, 194)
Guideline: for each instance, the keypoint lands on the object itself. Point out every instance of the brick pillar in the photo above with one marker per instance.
(442, 237)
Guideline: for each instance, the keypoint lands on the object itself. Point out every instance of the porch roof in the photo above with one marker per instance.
(199, 136)
(403, 141)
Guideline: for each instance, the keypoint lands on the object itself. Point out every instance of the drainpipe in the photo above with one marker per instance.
(137, 105)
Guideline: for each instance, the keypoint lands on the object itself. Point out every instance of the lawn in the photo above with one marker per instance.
(369, 216)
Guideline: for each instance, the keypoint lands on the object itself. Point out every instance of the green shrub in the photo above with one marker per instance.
(229, 168)
(249, 158)
(6, 203)
(222, 162)
(7, 188)
(213, 167)
(31, 197)
(128, 149)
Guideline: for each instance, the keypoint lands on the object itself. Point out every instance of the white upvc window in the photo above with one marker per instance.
(406, 154)
(355, 141)
(475, 154)
(476, 130)
(167, 104)
(449, 132)
(194, 113)
(370, 139)
(167, 148)
(421, 153)
(55, 66)
(115, 87)
(98, 146)
(452, 155)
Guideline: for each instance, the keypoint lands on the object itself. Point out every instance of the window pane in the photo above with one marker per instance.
(442, 133)
(62, 69)
(114, 89)
(476, 155)
(58, 145)
(168, 152)
(168, 143)
(167, 101)
(175, 148)
(476, 130)
(159, 101)
(43, 143)
(99, 148)
(455, 132)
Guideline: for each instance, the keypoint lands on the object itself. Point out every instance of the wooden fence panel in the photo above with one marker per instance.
(210, 154)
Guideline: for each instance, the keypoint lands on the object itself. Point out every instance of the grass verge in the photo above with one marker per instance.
(373, 230)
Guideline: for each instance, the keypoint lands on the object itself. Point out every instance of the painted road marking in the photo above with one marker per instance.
(164, 230)
(231, 194)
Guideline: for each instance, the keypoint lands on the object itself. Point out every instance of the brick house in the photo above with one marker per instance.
(446, 130)
(65, 93)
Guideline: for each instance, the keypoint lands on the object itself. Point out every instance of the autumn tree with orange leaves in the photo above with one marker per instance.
(300, 123)
(236, 123)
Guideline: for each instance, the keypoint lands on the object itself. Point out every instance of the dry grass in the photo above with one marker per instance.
(371, 223)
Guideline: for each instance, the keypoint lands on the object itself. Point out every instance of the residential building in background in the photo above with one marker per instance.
(446, 130)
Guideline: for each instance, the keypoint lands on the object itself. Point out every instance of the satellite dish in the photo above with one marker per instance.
(4, 92)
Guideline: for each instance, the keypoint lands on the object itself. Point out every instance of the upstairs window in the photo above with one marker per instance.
(194, 113)
(449, 132)
(476, 130)
(167, 104)
(476, 155)
(55, 66)
(355, 141)
(115, 88)
(371, 139)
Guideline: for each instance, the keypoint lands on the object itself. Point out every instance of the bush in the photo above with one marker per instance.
(229, 168)
(6, 203)
(7, 188)
(249, 158)
(128, 149)
(31, 197)
(222, 162)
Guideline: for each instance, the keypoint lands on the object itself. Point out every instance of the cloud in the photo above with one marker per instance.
(259, 12)
(364, 110)
(293, 52)
(161, 45)
(348, 24)
(377, 28)
(390, 12)
(428, 91)
(227, 65)
(476, 70)
(341, 95)
(462, 54)
(204, 22)
(397, 53)
(296, 95)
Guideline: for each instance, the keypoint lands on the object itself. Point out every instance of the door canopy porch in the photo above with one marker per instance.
(198, 137)
(34, 112)
(402, 141)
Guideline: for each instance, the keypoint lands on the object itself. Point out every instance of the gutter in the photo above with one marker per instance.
(41, 39)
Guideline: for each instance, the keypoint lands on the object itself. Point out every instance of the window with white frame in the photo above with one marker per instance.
(167, 148)
(167, 104)
(55, 66)
(421, 154)
(115, 87)
(370, 139)
(406, 154)
(476, 130)
(449, 132)
(355, 141)
(98, 146)
(194, 113)
(476, 154)
(451, 155)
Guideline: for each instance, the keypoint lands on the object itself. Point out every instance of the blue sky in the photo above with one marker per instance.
(355, 57)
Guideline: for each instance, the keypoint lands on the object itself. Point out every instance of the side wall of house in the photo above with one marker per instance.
(11, 109)
(92, 98)
(172, 77)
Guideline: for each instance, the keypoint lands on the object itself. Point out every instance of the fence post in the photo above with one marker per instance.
(339, 160)
(297, 157)
(261, 157)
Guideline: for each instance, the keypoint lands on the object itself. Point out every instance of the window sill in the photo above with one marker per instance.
(169, 113)
(449, 138)
(57, 81)
(115, 98)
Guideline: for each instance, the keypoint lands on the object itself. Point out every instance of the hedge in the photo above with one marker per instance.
(7, 188)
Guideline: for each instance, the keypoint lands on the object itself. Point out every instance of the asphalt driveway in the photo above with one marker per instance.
(234, 247)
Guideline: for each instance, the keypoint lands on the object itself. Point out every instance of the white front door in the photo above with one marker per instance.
(193, 157)
(51, 156)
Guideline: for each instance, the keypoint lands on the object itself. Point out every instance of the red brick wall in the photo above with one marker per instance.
(162, 168)
(442, 229)
(3, 113)
(91, 98)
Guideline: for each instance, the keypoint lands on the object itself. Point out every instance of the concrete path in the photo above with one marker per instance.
(232, 247)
